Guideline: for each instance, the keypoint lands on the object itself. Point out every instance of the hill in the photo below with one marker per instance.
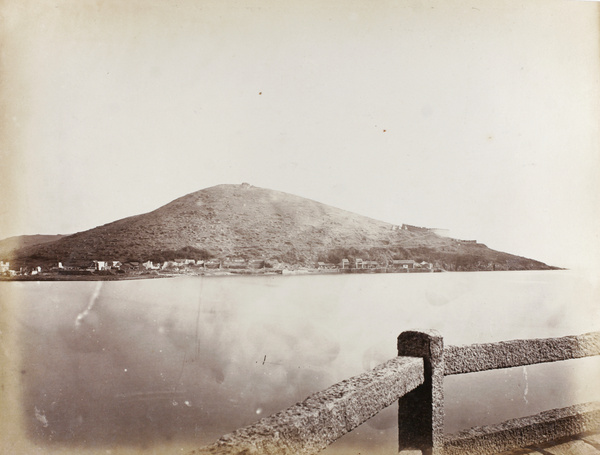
(11, 244)
(243, 221)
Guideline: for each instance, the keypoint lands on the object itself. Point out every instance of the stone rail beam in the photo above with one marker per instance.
(310, 426)
(526, 431)
(514, 353)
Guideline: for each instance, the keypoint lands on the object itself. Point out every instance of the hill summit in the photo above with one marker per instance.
(251, 223)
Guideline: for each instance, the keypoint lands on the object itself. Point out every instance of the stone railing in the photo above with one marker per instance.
(415, 379)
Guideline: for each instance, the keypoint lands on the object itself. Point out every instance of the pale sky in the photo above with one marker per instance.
(479, 117)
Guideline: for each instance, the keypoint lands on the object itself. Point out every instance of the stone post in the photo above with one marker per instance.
(421, 411)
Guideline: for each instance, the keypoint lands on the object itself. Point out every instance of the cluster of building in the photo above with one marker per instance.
(7, 271)
(183, 265)
(118, 267)
(363, 264)
(135, 266)
(92, 266)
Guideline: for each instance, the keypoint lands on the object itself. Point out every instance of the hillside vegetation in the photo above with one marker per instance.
(243, 221)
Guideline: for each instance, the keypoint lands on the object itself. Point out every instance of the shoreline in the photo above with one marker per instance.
(225, 273)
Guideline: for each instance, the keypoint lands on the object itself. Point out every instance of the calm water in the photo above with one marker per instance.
(182, 361)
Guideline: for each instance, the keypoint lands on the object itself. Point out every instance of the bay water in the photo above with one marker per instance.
(178, 362)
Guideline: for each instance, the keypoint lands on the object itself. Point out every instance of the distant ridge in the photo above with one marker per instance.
(11, 244)
(244, 221)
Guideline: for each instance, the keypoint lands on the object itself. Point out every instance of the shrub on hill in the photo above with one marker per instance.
(188, 252)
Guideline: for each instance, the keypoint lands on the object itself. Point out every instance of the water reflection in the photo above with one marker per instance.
(190, 359)
(135, 370)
